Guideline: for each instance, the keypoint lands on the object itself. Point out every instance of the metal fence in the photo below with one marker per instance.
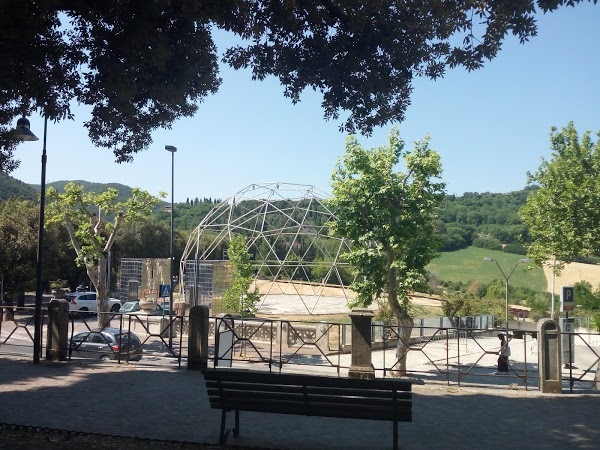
(464, 353)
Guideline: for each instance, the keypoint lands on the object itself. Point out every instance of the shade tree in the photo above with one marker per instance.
(140, 68)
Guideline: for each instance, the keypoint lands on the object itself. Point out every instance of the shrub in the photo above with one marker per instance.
(487, 243)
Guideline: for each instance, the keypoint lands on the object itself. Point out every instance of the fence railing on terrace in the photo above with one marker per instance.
(453, 351)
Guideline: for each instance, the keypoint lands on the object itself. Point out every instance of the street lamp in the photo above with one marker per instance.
(506, 278)
(171, 149)
(25, 134)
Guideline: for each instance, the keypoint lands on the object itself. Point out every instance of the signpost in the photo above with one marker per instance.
(567, 298)
(164, 290)
(567, 325)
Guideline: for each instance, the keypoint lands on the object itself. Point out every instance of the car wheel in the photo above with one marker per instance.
(114, 308)
(105, 358)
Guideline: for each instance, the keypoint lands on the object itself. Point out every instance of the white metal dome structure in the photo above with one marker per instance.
(286, 229)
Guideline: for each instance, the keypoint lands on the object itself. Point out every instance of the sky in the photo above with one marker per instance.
(490, 126)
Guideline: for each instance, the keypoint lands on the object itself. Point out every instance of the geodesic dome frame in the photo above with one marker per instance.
(286, 229)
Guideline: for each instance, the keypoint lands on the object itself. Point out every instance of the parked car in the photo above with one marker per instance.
(86, 301)
(106, 344)
(134, 308)
(130, 308)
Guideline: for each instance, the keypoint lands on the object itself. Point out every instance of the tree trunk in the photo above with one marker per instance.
(405, 325)
(405, 322)
(99, 278)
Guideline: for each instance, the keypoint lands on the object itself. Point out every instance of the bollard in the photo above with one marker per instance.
(361, 365)
(198, 338)
(550, 357)
(57, 347)
(224, 340)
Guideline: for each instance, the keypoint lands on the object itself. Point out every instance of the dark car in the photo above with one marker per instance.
(106, 344)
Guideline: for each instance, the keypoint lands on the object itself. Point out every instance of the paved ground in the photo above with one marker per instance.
(170, 403)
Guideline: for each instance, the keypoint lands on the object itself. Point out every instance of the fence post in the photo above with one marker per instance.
(549, 354)
(198, 338)
(57, 347)
(361, 366)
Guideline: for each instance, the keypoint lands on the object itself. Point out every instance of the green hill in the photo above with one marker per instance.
(11, 187)
(124, 191)
(468, 265)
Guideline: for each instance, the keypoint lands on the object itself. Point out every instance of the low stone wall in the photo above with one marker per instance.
(587, 337)
(291, 334)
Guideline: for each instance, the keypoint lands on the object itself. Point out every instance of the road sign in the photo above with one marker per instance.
(567, 298)
(165, 290)
(567, 326)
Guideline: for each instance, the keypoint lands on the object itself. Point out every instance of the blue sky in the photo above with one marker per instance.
(490, 126)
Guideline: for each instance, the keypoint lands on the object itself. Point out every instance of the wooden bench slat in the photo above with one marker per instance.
(401, 414)
(313, 398)
(246, 386)
(298, 402)
(238, 375)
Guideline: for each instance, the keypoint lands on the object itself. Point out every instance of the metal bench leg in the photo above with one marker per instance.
(236, 430)
(395, 434)
(223, 436)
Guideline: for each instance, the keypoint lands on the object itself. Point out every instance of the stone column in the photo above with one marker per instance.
(198, 338)
(322, 337)
(549, 357)
(361, 365)
(57, 345)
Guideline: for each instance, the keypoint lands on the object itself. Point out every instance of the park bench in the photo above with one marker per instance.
(245, 390)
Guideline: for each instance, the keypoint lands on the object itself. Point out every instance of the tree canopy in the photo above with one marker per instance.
(141, 65)
(563, 215)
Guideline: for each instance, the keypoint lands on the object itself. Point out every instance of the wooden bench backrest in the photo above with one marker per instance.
(309, 395)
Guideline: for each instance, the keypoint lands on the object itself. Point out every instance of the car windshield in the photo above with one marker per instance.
(130, 307)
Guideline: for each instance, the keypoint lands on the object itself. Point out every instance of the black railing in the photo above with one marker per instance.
(453, 355)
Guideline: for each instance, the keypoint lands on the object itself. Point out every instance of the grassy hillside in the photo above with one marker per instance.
(468, 265)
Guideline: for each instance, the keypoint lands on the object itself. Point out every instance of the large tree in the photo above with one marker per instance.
(389, 218)
(563, 215)
(18, 234)
(92, 221)
(19, 220)
(140, 65)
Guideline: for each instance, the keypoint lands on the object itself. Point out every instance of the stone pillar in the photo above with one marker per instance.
(322, 337)
(198, 338)
(361, 365)
(549, 357)
(57, 346)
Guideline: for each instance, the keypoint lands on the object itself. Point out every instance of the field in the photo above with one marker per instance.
(571, 274)
(468, 265)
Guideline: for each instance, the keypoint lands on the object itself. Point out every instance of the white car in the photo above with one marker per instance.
(86, 302)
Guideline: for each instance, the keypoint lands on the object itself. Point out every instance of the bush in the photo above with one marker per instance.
(595, 320)
(517, 249)
(487, 243)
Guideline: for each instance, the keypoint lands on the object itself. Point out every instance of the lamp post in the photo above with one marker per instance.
(25, 134)
(171, 149)
(506, 278)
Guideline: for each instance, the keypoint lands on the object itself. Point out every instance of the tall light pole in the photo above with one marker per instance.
(25, 134)
(171, 149)
(506, 278)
